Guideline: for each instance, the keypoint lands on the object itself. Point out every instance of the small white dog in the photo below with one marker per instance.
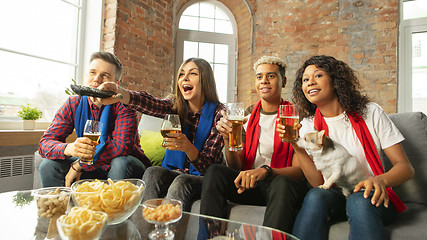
(334, 161)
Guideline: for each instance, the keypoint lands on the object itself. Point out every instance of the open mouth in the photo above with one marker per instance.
(187, 88)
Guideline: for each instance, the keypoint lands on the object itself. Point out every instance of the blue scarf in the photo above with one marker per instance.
(82, 114)
(176, 159)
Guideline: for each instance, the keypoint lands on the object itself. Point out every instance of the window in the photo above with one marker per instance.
(41, 51)
(413, 57)
(416, 49)
(413, 9)
(207, 30)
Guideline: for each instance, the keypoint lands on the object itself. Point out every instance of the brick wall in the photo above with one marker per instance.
(362, 33)
(140, 33)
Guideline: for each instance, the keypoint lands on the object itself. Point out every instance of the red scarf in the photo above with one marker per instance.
(368, 144)
(250, 233)
(283, 151)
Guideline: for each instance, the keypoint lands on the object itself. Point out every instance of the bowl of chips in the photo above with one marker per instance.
(81, 223)
(117, 198)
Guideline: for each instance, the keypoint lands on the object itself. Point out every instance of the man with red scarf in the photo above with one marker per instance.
(265, 172)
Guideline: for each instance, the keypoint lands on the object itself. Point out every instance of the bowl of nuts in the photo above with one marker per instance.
(161, 212)
(52, 202)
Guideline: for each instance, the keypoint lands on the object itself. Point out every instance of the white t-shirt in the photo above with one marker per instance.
(267, 129)
(383, 131)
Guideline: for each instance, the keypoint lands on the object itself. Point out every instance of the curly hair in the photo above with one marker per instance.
(344, 82)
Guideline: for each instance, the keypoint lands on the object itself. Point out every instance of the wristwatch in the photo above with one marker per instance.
(269, 171)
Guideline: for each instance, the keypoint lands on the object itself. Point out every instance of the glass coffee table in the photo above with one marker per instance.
(20, 221)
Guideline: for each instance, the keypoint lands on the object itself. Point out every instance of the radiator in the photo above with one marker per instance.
(16, 173)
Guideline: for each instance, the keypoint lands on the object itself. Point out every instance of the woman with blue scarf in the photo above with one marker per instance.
(191, 152)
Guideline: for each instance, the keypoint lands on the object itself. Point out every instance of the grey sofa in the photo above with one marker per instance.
(412, 223)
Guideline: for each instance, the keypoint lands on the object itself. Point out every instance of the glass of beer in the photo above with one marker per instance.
(289, 118)
(235, 113)
(93, 132)
(170, 124)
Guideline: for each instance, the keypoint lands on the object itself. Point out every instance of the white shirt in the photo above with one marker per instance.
(267, 129)
(383, 131)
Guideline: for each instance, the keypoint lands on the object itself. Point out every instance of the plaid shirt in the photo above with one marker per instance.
(123, 138)
(211, 152)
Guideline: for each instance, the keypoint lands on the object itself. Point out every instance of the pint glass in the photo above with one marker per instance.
(235, 113)
(93, 132)
(289, 117)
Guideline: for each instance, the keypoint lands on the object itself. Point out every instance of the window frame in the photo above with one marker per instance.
(406, 29)
(210, 37)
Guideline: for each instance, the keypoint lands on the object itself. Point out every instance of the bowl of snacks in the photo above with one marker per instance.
(81, 223)
(117, 198)
(52, 202)
(161, 212)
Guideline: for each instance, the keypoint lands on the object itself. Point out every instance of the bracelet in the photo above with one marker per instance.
(269, 171)
(72, 166)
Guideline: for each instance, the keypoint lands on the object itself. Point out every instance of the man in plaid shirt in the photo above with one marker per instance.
(121, 156)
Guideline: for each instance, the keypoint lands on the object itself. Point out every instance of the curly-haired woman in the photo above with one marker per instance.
(327, 91)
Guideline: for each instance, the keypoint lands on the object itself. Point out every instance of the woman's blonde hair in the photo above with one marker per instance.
(207, 83)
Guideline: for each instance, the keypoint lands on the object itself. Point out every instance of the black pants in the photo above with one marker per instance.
(282, 195)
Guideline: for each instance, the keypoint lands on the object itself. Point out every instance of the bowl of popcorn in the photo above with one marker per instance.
(117, 198)
(161, 212)
(81, 223)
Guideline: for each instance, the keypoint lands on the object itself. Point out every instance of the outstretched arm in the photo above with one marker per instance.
(122, 95)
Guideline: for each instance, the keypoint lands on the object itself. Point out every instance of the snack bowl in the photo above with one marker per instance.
(117, 198)
(51, 201)
(161, 212)
(81, 223)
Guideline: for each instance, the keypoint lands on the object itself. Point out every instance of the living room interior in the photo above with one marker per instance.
(384, 41)
(46, 46)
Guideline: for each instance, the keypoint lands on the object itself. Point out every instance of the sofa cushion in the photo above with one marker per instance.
(151, 143)
(413, 126)
(151, 139)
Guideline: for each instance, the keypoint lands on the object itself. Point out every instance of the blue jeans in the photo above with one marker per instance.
(161, 182)
(322, 207)
(53, 172)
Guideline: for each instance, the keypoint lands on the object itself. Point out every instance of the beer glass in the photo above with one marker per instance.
(170, 124)
(289, 117)
(235, 113)
(93, 132)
